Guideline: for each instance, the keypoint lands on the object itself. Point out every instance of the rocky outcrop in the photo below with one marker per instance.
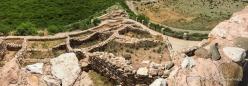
(66, 68)
(3, 49)
(224, 45)
(9, 73)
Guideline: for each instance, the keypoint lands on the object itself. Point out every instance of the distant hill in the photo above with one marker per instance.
(188, 14)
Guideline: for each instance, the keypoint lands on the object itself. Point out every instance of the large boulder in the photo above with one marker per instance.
(3, 49)
(66, 68)
(234, 53)
(35, 68)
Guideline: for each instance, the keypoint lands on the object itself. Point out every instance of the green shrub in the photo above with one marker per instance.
(96, 21)
(25, 29)
(127, 56)
(55, 29)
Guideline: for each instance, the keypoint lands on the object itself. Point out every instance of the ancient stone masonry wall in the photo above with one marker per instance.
(14, 47)
(120, 71)
(3, 49)
(20, 55)
(46, 38)
(130, 28)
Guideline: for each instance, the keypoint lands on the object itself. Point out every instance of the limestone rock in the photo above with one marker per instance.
(51, 81)
(142, 71)
(35, 68)
(188, 62)
(234, 53)
(3, 49)
(66, 68)
(159, 82)
(214, 52)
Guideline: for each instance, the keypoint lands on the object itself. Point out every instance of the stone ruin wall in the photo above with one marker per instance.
(120, 71)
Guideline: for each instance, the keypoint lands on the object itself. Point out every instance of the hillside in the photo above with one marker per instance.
(46, 12)
(187, 14)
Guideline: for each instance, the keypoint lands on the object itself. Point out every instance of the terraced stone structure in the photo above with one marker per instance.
(125, 68)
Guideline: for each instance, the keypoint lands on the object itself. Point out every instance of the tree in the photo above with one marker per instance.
(25, 29)
(5, 30)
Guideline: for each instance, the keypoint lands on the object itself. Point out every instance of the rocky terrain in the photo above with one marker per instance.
(65, 59)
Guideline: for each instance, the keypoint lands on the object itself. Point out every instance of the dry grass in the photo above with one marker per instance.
(83, 35)
(44, 44)
(43, 55)
(156, 52)
(15, 41)
(138, 35)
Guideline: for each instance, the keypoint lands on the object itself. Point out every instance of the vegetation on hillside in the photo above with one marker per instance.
(75, 13)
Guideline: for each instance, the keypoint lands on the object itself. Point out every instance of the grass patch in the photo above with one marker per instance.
(99, 80)
(44, 44)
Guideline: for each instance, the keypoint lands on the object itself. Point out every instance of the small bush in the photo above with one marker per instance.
(127, 56)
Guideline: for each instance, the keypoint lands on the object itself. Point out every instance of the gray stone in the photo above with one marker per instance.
(169, 66)
(214, 52)
(234, 53)
(36, 68)
(188, 62)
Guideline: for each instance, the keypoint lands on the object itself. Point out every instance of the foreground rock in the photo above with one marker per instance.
(9, 73)
(66, 68)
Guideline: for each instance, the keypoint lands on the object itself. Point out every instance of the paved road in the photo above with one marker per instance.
(177, 44)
